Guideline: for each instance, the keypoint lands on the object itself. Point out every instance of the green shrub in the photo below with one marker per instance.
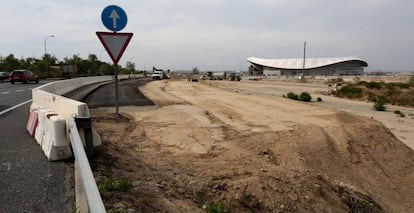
(373, 85)
(350, 91)
(393, 85)
(379, 106)
(319, 99)
(305, 96)
(361, 83)
(292, 95)
(398, 112)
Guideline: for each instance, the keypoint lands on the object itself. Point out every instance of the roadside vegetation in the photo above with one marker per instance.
(216, 208)
(113, 184)
(91, 66)
(304, 96)
(395, 93)
(399, 113)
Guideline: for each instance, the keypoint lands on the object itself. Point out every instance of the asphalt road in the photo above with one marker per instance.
(28, 181)
(103, 95)
(11, 95)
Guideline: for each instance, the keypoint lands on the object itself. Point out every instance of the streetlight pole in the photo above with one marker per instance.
(304, 58)
(47, 72)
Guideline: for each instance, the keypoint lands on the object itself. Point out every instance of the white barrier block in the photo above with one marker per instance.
(47, 142)
(33, 122)
(40, 130)
(55, 144)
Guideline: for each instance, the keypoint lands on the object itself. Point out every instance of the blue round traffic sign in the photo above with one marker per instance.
(114, 18)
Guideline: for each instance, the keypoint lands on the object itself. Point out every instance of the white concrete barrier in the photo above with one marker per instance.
(56, 128)
(33, 121)
(48, 98)
(43, 113)
(54, 141)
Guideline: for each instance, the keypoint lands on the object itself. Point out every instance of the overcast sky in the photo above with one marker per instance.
(216, 34)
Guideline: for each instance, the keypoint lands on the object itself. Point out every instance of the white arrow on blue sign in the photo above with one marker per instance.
(114, 18)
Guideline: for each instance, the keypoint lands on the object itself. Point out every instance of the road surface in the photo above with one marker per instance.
(28, 181)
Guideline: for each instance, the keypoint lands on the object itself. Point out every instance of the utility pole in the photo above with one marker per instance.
(304, 58)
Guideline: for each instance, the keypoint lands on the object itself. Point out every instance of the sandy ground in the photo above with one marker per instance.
(242, 145)
(403, 128)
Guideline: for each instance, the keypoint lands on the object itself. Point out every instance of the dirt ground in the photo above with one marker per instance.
(241, 145)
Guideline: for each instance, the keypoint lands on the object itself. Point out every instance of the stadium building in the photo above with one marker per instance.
(307, 66)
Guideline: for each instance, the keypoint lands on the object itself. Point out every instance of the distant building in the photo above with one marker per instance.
(307, 67)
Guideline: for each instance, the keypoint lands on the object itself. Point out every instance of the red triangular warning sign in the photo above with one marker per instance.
(115, 43)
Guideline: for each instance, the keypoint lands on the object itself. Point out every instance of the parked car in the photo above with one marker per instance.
(24, 76)
(4, 76)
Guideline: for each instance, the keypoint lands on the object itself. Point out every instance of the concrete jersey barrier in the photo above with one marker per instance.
(50, 113)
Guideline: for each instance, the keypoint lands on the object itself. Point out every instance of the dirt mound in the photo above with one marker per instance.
(357, 167)
(186, 157)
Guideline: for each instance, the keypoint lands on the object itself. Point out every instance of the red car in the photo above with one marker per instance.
(24, 76)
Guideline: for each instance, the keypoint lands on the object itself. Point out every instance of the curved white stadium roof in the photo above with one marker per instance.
(297, 63)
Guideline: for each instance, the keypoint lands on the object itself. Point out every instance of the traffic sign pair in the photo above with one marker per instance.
(114, 19)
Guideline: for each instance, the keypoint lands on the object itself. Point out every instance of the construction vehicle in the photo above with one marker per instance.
(194, 77)
(219, 76)
(233, 77)
(158, 74)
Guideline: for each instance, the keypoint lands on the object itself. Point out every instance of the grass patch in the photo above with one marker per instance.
(112, 184)
(216, 208)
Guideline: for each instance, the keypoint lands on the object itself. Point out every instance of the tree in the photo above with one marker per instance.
(130, 66)
(10, 63)
(195, 70)
(89, 66)
(92, 58)
(106, 69)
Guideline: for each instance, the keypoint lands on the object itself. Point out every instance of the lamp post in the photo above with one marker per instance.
(47, 72)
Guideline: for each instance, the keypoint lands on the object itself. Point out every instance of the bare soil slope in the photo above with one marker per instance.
(252, 153)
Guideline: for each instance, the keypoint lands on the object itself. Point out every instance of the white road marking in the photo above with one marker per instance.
(8, 165)
(19, 90)
(14, 107)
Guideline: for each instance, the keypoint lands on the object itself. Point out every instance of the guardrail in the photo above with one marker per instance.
(83, 175)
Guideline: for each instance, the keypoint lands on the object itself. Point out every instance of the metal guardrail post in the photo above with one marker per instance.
(86, 125)
(88, 184)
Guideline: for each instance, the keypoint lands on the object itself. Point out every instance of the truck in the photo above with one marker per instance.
(219, 75)
(157, 75)
(194, 77)
(234, 77)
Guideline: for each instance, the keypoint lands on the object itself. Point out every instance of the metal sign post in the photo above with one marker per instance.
(116, 89)
(114, 19)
